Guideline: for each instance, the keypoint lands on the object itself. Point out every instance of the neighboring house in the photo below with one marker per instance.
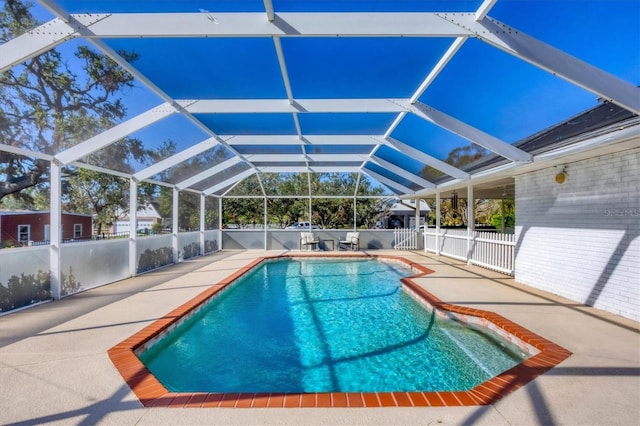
(26, 227)
(146, 217)
(403, 214)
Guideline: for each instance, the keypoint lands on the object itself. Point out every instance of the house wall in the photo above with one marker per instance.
(37, 222)
(580, 239)
(10, 224)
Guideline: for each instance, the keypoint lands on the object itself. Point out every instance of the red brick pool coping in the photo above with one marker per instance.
(152, 393)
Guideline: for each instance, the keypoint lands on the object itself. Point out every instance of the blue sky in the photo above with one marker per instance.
(487, 88)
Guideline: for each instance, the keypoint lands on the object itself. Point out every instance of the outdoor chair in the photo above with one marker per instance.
(351, 240)
(309, 240)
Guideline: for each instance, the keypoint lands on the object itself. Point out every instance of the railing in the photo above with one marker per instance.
(405, 239)
(101, 236)
(491, 250)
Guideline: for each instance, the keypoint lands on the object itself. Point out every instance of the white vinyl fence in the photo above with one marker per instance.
(405, 239)
(491, 250)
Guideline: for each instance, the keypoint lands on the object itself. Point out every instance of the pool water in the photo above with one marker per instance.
(324, 325)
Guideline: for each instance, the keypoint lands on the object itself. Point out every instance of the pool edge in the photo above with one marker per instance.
(152, 393)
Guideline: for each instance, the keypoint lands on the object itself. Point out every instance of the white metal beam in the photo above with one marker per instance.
(84, 31)
(230, 181)
(238, 140)
(426, 159)
(115, 133)
(311, 169)
(387, 182)
(34, 42)
(208, 173)
(470, 133)
(55, 229)
(402, 172)
(133, 227)
(25, 152)
(302, 157)
(100, 169)
(268, 7)
(295, 24)
(121, 25)
(395, 124)
(484, 8)
(442, 63)
(176, 159)
(283, 68)
(226, 106)
(553, 60)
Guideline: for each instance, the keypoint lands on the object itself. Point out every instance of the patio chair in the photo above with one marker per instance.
(351, 240)
(309, 240)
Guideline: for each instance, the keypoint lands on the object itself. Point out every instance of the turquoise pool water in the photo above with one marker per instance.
(324, 325)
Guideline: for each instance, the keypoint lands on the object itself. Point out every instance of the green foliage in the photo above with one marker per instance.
(69, 283)
(188, 203)
(49, 105)
(507, 207)
(331, 213)
(509, 221)
(25, 290)
(153, 259)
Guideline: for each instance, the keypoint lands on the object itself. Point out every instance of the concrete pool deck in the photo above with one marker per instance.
(54, 366)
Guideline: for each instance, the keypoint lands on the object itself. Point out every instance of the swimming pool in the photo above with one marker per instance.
(325, 325)
(320, 366)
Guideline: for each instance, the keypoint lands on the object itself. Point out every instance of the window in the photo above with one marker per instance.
(77, 230)
(24, 233)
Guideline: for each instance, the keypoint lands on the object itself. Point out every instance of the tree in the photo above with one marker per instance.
(458, 157)
(49, 105)
(188, 205)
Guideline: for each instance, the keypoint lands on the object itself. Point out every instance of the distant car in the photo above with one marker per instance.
(302, 225)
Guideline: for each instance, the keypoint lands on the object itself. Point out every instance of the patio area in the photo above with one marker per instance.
(55, 369)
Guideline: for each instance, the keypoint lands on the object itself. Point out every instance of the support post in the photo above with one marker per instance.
(133, 227)
(55, 230)
(174, 226)
(355, 214)
(437, 223)
(220, 222)
(202, 220)
(417, 221)
(471, 219)
(265, 220)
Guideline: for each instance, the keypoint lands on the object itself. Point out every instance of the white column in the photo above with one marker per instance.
(174, 241)
(265, 220)
(202, 220)
(220, 223)
(471, 219)
(133, 226)
(437, 223)
(355, 214)
(417, 220)
(55, 230)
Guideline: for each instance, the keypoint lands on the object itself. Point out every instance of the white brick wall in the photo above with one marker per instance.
(581, 239)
